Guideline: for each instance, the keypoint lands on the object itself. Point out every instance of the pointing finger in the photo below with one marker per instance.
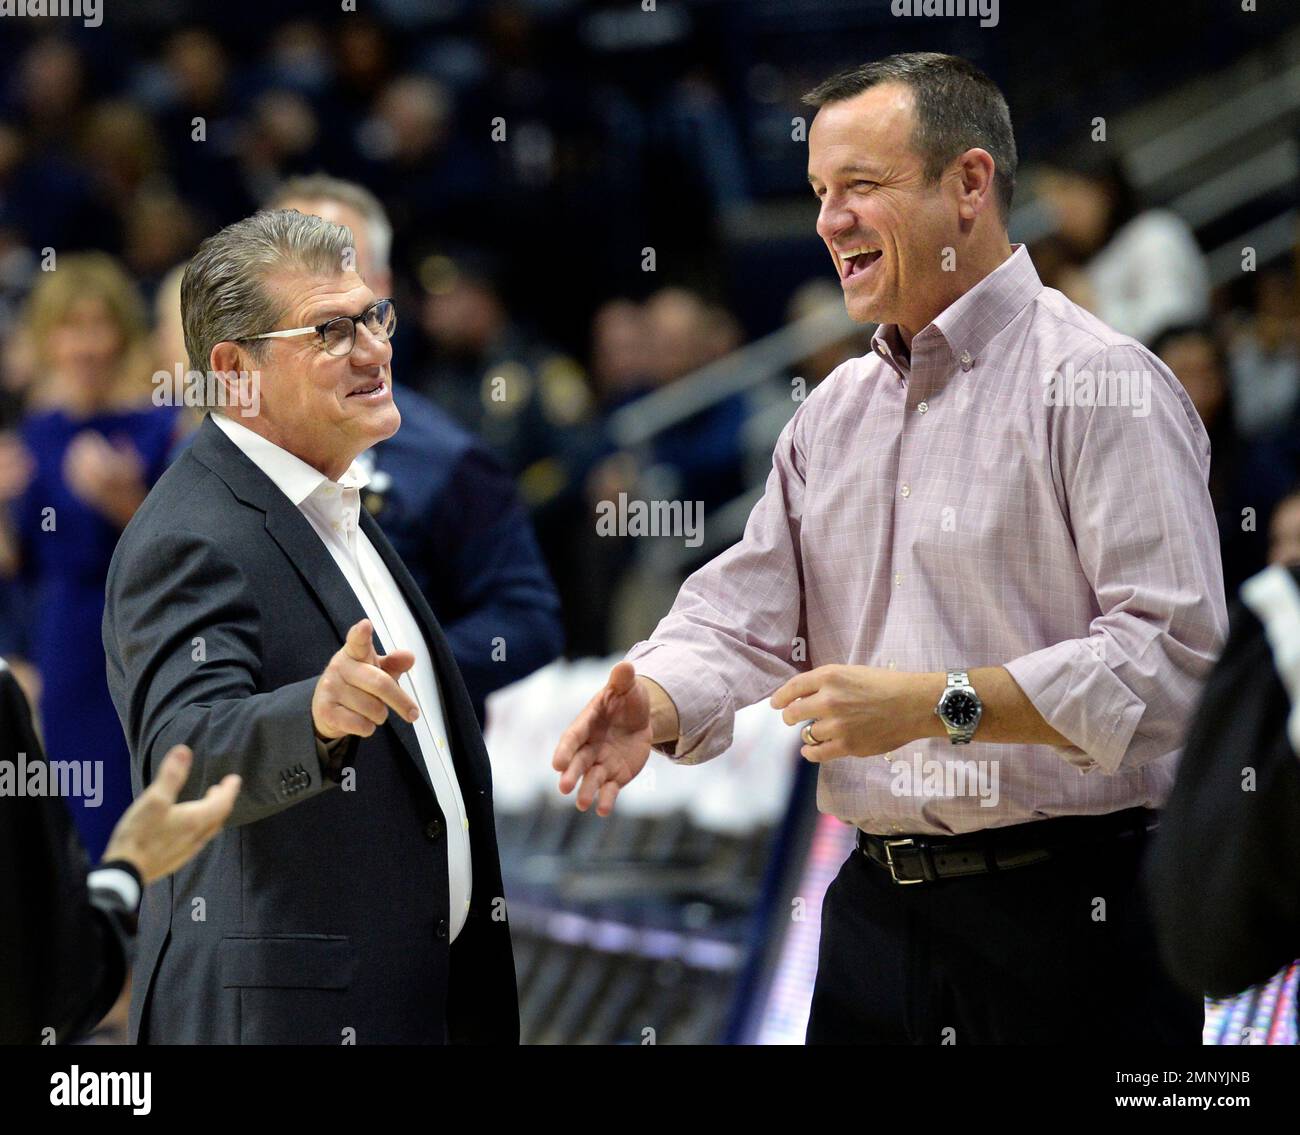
(397, 663)
(376, 682)
(359, 644)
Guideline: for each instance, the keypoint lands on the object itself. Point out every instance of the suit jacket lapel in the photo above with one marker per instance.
(304, 549)
(287, 526)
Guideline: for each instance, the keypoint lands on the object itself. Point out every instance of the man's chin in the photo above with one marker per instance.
(379, 422)
(392, 421)
(861, 309)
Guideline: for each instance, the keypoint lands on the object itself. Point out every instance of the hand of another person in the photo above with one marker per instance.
(158, 835)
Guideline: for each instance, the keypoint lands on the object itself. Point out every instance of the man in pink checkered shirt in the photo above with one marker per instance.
(985, 577)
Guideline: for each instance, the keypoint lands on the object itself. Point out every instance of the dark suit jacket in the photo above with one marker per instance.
(1224, 869)
(320, 915)
(63, 949)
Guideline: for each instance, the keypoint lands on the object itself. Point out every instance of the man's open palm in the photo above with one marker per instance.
(608, 742)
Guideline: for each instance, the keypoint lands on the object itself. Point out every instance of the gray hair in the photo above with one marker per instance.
(223, 292)
(322, 187)
(958, 108)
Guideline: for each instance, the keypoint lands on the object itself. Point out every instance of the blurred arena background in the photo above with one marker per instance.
(608, 206)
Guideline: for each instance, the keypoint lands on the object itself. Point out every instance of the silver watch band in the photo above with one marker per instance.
(959, 735)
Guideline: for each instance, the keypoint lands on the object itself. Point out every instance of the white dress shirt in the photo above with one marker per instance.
(333, 509)
(1151, 275)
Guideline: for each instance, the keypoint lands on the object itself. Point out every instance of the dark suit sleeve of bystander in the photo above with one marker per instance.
(1224, 870)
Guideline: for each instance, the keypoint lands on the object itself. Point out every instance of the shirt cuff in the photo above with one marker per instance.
(705, 716)
(1083, 700)
(122, 879)
(334, 756)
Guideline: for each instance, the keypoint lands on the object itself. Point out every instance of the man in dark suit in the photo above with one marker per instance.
(447, 505)
(69, 928)
(257, 613)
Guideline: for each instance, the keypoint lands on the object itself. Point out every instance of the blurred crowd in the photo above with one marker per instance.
(520, 195)
(1236, 350)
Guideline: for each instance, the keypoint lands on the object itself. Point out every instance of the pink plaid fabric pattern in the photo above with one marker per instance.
(974, 506)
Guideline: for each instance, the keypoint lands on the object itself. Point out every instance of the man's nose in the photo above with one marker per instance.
(833, 219)
(370, 348)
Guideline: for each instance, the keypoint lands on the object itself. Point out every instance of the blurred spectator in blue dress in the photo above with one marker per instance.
(92, 443)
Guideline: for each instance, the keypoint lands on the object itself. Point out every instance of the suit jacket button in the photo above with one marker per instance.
(442, 929)
(433, 829)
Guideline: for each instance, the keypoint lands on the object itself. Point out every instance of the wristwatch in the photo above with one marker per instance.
(959, 708)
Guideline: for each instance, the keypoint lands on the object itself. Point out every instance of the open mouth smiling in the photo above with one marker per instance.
(856, 261)
(371, 389)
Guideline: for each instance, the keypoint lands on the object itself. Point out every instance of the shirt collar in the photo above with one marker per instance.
(290, 474)
(887, 342)
(969, 323)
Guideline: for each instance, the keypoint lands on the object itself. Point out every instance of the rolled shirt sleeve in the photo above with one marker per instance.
(1135, 484)
(730, 638)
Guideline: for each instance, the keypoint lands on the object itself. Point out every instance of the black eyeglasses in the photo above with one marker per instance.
(339, 335)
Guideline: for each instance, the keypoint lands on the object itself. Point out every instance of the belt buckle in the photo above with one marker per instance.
(890, 844)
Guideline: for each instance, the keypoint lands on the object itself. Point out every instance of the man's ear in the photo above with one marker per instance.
(227, 360)
(975, 168)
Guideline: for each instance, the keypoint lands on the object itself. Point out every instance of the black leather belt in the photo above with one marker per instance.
(927, 859)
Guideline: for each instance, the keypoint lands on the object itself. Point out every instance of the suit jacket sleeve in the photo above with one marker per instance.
(1224, 875)
(184, 641)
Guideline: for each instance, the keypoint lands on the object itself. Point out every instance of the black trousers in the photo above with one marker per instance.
(1060, 952)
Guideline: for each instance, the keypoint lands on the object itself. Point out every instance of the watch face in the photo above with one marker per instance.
(960, 709)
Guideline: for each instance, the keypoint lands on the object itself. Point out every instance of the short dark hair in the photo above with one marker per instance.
(957, 107)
